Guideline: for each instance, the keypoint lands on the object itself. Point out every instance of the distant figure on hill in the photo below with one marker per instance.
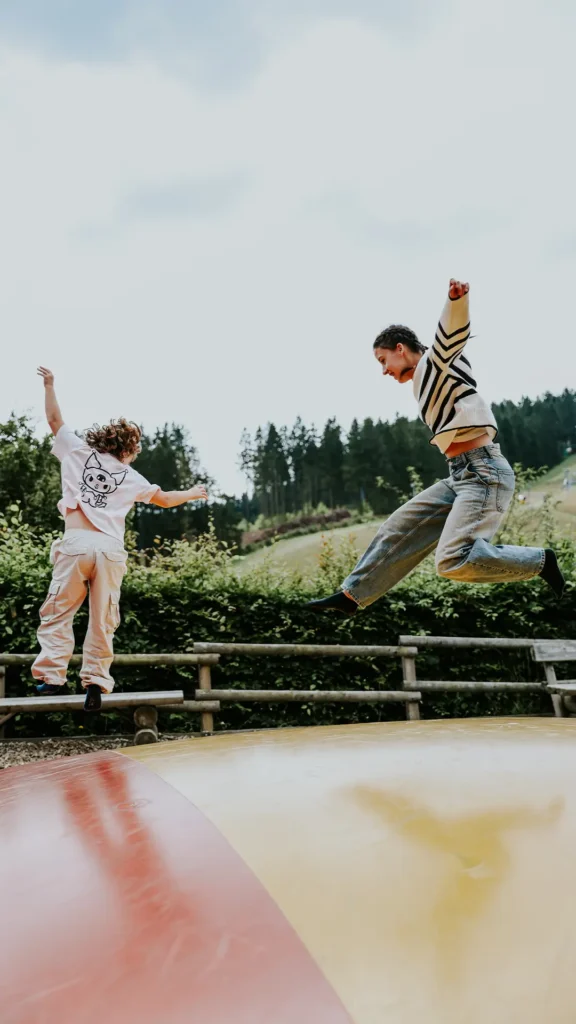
(99, 487)
(457, 516)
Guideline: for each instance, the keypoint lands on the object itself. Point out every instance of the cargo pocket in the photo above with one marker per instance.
(113, 616)
(118, 557)
(48, 609)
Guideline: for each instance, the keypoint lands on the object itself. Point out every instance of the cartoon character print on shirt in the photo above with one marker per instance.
(97, 484)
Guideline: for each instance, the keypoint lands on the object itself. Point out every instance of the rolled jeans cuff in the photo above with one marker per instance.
(349, 592)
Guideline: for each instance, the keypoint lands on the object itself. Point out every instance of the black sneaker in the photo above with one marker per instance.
(51, 690)
(93, 700)
(551, 573)
(338, 602)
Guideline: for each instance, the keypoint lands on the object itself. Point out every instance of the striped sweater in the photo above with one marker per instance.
(444, 386)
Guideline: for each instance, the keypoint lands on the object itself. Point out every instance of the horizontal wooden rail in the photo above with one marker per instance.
(126, 660)
(76, 702)
(314, 696)
(210, 706)
(468, 641)
(479, 685)
(306, 650)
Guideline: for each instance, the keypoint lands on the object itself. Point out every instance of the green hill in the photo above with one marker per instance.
(302, 553)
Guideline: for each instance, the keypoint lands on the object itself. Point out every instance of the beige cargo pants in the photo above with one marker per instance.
(83, 559)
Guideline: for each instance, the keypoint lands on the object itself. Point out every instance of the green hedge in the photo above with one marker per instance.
(191, 592)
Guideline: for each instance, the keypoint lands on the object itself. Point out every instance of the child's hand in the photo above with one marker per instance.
(198, 494)
(457, 289)
(47, 376)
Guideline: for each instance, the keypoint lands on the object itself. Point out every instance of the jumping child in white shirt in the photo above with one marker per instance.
(99, 487)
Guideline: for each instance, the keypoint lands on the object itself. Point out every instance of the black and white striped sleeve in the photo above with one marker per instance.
(453, 329)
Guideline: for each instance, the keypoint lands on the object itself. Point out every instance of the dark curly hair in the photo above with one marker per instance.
(395, 335)
(117, 438)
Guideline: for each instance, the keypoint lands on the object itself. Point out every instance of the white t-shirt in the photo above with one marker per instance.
(104, 488)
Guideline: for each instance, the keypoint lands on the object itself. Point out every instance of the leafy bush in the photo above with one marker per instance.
(191, 592)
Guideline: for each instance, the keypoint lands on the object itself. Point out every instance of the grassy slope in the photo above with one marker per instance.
(301, 553)
(551, 484)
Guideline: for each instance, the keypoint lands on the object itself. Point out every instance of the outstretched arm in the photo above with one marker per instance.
(454, 325)
(53, 414)
(169, 499)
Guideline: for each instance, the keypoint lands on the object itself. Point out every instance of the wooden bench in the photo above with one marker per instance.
(548, 653)
(410, 697)
(75, 702)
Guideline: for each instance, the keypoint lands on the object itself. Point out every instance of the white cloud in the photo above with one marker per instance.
(359, 173)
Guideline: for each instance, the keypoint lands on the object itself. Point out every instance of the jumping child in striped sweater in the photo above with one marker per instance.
(457, 516)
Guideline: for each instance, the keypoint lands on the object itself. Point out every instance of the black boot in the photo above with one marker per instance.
(551, 573)
(339, 602)
(93, 700)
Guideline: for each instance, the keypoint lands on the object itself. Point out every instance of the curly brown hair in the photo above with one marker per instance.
(117, 438)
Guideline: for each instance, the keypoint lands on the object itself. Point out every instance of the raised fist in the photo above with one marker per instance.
(457, 289)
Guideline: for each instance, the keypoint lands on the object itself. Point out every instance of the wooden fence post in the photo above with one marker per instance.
(557, 698)
(409, 683)
(205, 684)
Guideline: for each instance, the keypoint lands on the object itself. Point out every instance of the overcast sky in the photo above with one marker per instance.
(209, 210)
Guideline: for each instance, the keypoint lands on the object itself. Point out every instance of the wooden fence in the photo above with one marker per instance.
(410, 696)
(208, 700)
(544, 652)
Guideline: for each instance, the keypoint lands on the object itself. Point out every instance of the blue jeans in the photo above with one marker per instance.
(459, 517)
